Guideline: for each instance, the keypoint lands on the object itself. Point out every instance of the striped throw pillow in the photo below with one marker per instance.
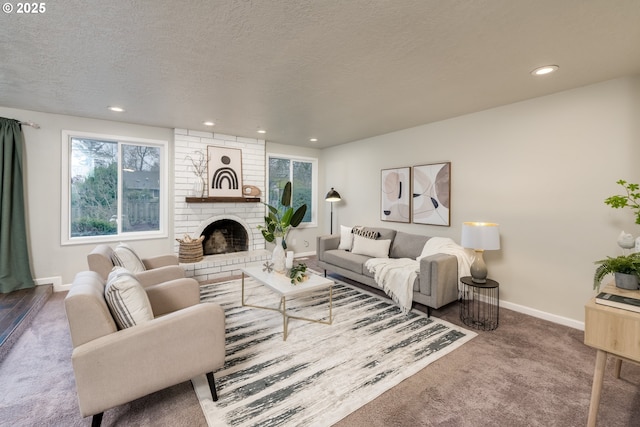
(365, 232)
(124, 256)
(126, 298)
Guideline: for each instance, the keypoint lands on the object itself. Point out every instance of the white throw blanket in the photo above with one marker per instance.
(445, 245)
(397, 275)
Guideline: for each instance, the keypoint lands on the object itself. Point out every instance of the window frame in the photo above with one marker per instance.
(65, 199)
(314, 183)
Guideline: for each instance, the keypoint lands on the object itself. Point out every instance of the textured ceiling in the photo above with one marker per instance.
(332, 69)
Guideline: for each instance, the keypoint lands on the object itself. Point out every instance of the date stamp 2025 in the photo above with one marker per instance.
(24, 8)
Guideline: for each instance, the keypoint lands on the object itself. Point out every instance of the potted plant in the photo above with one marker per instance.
(625, 268)
(278, 223)
(298, 273)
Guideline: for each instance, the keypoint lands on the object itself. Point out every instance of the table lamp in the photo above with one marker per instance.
(332, 196)
(480, 236)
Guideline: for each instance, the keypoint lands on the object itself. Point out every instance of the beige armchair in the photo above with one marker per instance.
(163, 280)
(158, 269)
(112, 366)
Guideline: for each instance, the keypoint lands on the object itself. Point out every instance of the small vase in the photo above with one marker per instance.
(278, 258)
(199, 188)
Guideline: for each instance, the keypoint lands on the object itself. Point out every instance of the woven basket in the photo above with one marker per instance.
(190, 251)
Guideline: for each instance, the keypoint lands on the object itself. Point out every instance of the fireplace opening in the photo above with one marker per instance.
(224, 236)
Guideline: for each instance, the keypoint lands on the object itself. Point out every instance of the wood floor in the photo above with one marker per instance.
(17, 309)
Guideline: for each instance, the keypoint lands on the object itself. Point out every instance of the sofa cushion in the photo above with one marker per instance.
(347, 260)
(369, 247)
(124, 256)
(127, 299)
(346, 238)
(407, 245)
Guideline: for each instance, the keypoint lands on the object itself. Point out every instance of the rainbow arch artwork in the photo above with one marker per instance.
(225, 171)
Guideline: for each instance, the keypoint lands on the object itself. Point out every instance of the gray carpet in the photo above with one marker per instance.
(528, 372)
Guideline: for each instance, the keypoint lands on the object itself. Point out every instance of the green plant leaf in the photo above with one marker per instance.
(286, 218)
(298, 216)
(286, 194)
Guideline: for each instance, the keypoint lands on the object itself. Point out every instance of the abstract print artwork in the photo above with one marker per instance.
(225, 171)
(431, 194)
(395, 195)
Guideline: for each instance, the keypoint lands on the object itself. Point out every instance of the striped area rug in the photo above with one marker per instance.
(321, 373)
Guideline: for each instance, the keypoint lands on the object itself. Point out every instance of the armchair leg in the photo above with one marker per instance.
(212, 386)
(97, 420)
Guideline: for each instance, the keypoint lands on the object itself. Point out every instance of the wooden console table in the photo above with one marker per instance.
(612, 331)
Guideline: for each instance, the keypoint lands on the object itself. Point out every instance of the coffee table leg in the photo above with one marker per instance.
(283, 304)
(243, 288)
(330, 304)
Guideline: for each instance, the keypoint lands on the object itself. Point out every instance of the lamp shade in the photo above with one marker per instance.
(333, 196)
(480, 235)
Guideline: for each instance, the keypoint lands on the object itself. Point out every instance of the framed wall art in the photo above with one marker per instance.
(431, 194)
(225, 171)
(395, 196)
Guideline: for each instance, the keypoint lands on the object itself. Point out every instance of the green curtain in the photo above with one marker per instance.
(15, 268)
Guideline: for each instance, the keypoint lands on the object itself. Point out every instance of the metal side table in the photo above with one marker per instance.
(480, 304)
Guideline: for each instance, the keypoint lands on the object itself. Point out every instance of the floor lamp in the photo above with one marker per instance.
(332, 196)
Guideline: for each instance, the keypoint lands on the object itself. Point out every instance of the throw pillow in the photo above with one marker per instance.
(370, 247)
(126, 298)
(346, 238)
(365, 232)
(124, 256)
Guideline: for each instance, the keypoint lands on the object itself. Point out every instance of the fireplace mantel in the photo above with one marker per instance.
(222, 199)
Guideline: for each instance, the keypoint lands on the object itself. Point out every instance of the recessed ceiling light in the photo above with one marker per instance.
(116, 109)
(547, 69)
(313, 139)
(262, 131)
(208, 123)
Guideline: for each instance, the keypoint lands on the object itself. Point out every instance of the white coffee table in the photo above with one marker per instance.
(281, 285)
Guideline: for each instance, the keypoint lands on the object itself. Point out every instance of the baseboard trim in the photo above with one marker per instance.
(304, 254)
(56, 281)
(565, 321)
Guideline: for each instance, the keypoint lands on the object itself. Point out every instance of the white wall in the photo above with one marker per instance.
(51, 260)
(540, 168)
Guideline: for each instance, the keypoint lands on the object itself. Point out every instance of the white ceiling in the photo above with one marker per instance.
(337, 70)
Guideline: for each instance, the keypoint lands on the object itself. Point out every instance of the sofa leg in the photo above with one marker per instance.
(212, 386)
(428, 312)
(325, 273)
(97, 420)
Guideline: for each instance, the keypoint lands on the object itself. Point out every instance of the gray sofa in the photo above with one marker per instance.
(435, 286)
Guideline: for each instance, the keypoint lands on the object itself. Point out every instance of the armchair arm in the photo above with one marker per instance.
(134, 362)
(439, 278)
(160, 274)
(173, 295)
(326, 243)
(160, 261)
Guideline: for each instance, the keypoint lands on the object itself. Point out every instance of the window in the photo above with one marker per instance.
(114, 188)
(303, 173)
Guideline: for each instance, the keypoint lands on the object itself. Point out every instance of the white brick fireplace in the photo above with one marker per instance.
(193, 218)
